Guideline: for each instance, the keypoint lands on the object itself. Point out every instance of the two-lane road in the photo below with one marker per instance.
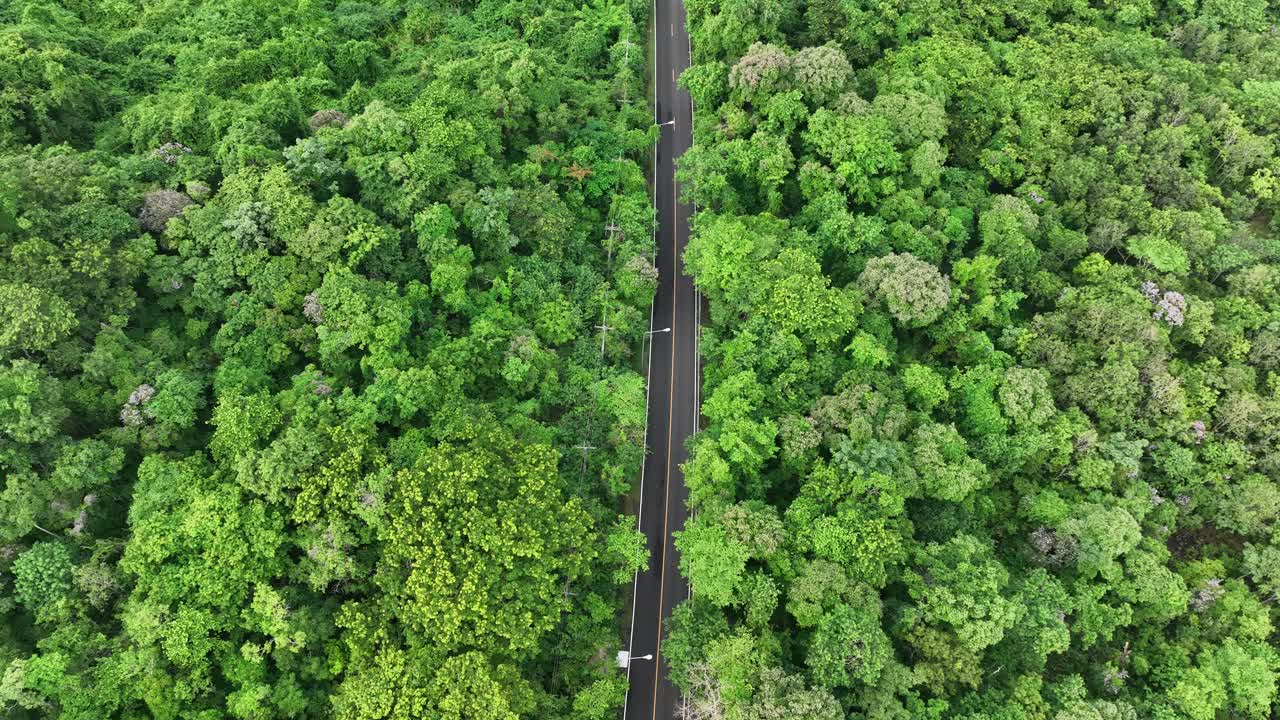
(673, 383)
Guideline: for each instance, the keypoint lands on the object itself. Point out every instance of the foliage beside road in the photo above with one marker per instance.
(992, 382)
(296, 341)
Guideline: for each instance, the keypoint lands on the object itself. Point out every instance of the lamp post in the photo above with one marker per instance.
(625, 658)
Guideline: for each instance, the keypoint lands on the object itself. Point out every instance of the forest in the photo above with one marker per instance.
(992, 366)
(297, 309)
(322, 393)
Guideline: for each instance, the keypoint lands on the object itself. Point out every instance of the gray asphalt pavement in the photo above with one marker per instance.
(673, 384)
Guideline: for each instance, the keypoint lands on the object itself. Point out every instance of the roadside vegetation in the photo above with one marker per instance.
(296, 344)
(992, 371)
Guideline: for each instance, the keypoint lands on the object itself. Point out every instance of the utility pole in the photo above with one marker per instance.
(613, 229)
(603, 328)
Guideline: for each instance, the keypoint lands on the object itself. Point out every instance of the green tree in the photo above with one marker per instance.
(713, 561)
(914, 292)
(42, 576)
(487, 516)
(848, 646)
(959, 586)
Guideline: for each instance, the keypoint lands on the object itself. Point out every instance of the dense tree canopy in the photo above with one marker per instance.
(296, 339)
(303, 411)
(994, 334)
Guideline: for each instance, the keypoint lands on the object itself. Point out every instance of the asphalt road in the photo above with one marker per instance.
(673, 384)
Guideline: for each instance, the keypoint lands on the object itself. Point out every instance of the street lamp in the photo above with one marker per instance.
(651, 332)
(625, 658)
(669, 122)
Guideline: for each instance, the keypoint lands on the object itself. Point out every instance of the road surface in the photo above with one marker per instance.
(673, 384)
